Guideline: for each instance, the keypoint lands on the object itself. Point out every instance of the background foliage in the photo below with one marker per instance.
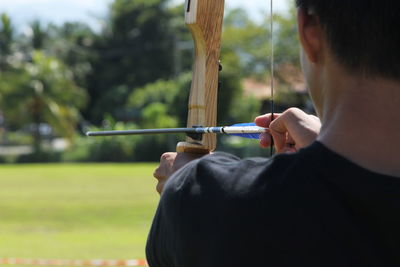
(56, 82)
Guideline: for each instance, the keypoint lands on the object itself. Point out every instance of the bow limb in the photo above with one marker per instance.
(204, 19)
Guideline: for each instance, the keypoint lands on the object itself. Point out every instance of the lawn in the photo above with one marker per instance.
(76, 211)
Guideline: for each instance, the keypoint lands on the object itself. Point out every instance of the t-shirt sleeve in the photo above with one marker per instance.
(161, 242)
(197, 209)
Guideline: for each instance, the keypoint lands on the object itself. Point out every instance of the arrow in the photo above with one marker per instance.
(245, 130)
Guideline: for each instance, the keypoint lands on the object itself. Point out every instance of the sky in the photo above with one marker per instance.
(92, 11)
(57, 11)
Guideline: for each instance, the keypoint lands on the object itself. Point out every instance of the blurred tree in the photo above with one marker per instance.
(134, 49)
(249, 41)
(39, 35)
(182, 41)
(287, 43)
(73, 44)
(7, 33)
(167, 95)
(41, 92)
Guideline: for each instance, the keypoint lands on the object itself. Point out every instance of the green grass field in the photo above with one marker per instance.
(76, 211)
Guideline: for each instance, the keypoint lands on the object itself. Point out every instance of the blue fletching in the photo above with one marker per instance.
(248, 136)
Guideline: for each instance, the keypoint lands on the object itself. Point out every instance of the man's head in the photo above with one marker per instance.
(362, 36)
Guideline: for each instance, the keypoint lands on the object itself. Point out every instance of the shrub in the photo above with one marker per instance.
(39, 157)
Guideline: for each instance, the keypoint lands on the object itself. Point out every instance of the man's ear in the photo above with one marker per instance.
(310, 34)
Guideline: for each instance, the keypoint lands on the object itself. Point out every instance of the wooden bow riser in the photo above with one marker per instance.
(204, 18)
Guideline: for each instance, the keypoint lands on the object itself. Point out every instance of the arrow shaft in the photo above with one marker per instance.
(200, 130)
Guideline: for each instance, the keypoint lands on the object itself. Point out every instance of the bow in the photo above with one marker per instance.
(204, 19)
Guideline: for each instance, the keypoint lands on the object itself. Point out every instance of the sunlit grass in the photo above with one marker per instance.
(76, 211)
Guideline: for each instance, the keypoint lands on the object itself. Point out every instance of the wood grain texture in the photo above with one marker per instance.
(204, 18)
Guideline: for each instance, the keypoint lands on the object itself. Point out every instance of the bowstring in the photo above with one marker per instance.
(272, 71)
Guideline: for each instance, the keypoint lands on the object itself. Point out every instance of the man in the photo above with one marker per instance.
(332, 195)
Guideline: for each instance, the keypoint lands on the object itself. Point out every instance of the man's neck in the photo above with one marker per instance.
(361, 121)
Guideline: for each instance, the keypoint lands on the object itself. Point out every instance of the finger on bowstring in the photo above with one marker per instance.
(278, 130)
(265, 140)
(265, 120)
(279, 141)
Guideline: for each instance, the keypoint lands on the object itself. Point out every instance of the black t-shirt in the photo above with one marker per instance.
(312, 208)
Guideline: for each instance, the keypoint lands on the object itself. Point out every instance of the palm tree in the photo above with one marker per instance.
(42, 91)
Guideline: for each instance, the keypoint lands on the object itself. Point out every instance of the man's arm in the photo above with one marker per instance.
(291, 131)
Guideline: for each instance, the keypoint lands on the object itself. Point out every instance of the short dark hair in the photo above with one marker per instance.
(364, 35)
